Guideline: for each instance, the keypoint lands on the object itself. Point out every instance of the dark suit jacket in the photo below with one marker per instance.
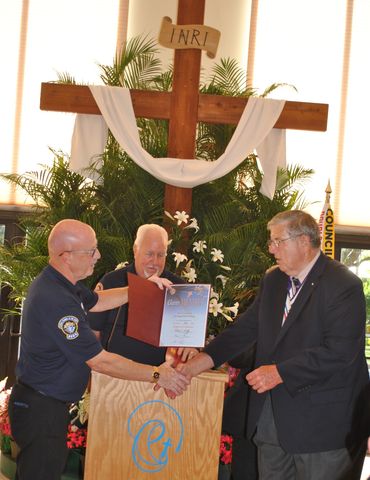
(236, 399)
(319, 353)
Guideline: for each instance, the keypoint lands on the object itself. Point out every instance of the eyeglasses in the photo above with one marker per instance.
(276, 243)
(160, 255)
(90, 252)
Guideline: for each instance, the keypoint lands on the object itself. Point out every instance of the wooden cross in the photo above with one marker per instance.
(184, 106)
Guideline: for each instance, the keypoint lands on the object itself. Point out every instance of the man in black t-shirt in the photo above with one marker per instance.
(150, 251)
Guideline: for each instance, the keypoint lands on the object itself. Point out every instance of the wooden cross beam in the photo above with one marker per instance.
(184, 106)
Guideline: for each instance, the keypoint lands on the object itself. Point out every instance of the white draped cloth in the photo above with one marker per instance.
(254, 133)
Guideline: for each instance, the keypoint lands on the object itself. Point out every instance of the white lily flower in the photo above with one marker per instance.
(190, 275)
(169, 215)
(193, 224)
(214, 307)
(234, 309)
(223, 279)
(214, 294)
(181, 217)
(188, 265)
(179, 257)
(199, 246)
(217, 255)
(228, 318)
(121, 265)
(224, 267)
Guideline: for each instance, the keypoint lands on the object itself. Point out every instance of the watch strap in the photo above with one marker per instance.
(155, 374)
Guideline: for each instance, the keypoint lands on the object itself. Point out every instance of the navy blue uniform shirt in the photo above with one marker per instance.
(120, 343)
(56, 337)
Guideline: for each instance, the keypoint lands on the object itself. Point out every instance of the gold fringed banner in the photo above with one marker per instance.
(200, 37)
(327, 226)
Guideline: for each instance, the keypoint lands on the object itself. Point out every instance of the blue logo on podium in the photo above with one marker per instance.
(153, 444)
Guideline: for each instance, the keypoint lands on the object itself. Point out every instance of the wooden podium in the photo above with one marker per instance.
(135, 433)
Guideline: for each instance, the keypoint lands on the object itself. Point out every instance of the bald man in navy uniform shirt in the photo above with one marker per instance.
(58, 351)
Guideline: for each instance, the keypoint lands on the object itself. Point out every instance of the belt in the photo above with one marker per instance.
(28, 387)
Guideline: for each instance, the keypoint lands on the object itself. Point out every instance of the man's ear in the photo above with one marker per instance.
(305, 239)
(66, 259)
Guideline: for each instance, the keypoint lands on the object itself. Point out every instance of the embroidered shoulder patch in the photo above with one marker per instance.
(69, 326)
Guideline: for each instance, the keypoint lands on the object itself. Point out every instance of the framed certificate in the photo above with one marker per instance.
(184, 319)
(175, 317)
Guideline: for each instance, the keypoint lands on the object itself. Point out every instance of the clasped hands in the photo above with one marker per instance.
(171, 379)
(262, 379)
(175, 375)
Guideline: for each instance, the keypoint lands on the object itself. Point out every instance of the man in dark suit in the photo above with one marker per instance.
(310, 366)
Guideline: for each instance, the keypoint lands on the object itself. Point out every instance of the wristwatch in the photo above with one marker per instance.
(155, 375)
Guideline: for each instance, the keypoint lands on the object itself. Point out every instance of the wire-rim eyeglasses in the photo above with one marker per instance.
(276, 243)
(90, 252)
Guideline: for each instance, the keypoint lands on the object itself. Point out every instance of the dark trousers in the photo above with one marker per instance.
(39, 426)
(274, 463)
(244, 459)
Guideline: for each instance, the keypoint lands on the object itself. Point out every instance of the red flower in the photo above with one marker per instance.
(4, 417)
(76, 437)
(226, 449)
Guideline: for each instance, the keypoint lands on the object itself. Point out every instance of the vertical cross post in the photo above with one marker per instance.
(184, 104)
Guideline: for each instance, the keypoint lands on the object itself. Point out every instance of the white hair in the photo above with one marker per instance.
(148, 228)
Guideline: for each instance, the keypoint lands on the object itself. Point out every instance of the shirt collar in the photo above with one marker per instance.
(55, 273)
(303, 274)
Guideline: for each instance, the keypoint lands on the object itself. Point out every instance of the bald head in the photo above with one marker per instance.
(69, 235)
(73, 249)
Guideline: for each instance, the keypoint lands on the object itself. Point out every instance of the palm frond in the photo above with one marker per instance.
(135, 66)
(163, 82)
(229, 78)
(66, 78)
(274, 86)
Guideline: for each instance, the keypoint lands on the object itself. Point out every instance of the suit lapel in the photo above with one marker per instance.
(304, 295)
(277, 304)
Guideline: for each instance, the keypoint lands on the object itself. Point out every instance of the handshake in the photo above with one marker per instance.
(176, 373)
(182, 365)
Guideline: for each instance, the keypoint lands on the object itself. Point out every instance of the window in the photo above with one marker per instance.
(355, 254)
(39, 38)
(293, 44)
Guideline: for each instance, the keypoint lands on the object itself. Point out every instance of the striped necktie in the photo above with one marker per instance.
(293, 288)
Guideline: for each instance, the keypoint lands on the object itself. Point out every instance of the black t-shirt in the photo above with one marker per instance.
(119, 342)
(56, 337)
